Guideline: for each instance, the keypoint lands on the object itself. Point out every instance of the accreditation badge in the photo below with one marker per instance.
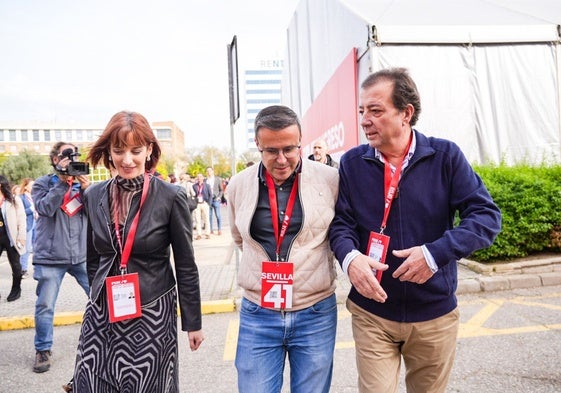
(123, 297)
(73, 205)
(377, 250)
(276, 284)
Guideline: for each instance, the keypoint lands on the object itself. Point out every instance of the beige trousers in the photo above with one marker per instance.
(202, 217)
(428, 349)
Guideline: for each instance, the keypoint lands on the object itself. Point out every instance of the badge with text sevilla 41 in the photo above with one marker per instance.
(276, 284)
(377, 250)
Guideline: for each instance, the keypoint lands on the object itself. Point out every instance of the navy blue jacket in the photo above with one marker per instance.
(207, 192)
(438, 183)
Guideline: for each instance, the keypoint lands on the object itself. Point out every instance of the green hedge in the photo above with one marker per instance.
(530, 201)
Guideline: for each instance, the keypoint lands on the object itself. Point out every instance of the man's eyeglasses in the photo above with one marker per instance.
(287, 152)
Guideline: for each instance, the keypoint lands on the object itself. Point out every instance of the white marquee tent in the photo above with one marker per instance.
(488, 71)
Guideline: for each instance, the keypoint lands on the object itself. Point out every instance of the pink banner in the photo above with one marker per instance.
(333, 114)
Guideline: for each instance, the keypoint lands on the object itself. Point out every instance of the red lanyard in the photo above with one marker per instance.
(125, 254)
(67, 194)
(279, 235)
(390, 184)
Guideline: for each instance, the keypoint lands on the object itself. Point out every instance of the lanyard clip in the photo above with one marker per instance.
(123, 270)
(382, 230)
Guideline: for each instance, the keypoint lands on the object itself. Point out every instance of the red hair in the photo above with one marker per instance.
(125, 129)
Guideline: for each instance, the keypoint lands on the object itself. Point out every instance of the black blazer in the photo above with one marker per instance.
(164, 220)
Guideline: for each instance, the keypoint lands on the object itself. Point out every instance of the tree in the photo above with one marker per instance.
(250, 156)
(26, 164)
(218, 159)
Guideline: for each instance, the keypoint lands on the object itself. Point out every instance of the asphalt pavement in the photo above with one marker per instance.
(217, 262)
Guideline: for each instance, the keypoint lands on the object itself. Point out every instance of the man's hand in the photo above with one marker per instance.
(363, 278)
(415, 268)
(84, 181)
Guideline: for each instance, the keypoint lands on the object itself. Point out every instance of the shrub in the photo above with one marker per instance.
(530, 201)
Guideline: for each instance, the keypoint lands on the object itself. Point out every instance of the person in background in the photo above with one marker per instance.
(217, 191)
(224, 200)
(12, 234)
(135, 350)
(204, 198)
(25, 195)
(279, 213)
(172, 178)
(186, 182)
(320, 154)
(399, 197)
(60, 243)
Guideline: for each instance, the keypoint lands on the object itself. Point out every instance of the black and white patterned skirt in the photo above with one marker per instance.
(135, 356)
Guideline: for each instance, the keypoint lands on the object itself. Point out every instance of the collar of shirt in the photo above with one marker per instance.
(380, 157)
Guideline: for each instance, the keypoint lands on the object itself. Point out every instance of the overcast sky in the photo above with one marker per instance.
(77, 62)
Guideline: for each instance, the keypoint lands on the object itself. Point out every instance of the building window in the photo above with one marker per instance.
(68, 136)
(2, 135)
(89, 135)
(79, 135)
(47, 135)
(164, 133)
(58, 135)
(12, 135)
(35, 135)
(23, 135)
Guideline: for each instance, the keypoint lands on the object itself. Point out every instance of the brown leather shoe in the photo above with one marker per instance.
(42, 361)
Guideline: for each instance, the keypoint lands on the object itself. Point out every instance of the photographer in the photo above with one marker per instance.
(60, 240)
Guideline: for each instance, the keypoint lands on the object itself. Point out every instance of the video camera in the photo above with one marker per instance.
(75, 167)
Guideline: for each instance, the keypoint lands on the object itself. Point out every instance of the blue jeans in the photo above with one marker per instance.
(28, 249)
(266, 336)
(215, 209)
(49, 278)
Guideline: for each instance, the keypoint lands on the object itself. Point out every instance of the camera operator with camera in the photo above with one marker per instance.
(60, 240)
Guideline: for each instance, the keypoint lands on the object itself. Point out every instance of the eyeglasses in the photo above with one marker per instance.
(287, 152)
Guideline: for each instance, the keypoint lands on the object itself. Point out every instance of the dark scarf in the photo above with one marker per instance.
(123, 190)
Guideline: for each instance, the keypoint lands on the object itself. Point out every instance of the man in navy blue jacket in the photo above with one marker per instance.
(398, 197)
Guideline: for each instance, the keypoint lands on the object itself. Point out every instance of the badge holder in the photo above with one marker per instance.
(377, 250)
(71, 205)
(277, 282)
(123, 297)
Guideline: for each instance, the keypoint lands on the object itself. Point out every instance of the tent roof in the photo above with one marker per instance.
(460, 21)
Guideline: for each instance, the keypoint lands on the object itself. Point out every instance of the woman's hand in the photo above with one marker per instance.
(196, 338)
